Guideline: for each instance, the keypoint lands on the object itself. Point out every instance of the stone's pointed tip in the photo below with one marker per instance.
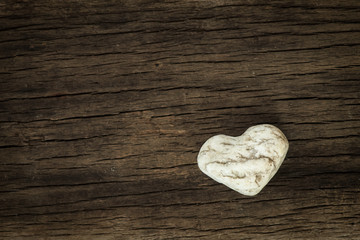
(245, 163)
(251, 194)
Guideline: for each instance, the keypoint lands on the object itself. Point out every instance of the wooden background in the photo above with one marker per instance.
(105, 104)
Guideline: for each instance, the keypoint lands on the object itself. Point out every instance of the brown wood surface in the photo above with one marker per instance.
(105, 104)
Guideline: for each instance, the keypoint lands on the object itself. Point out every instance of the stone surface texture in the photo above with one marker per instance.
(245, 163)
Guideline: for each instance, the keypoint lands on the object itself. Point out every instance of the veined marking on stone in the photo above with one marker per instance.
(226, 144)
(245, 163)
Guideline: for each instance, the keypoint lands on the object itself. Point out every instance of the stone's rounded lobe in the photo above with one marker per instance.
(245, 163)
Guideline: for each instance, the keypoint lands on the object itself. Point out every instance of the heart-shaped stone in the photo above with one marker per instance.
(245, 163)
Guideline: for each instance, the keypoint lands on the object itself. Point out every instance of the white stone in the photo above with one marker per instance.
(245, 163)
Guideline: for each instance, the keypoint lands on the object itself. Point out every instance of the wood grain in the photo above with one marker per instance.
(105, 104)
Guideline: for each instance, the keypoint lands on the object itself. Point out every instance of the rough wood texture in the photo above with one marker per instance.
(105, 104)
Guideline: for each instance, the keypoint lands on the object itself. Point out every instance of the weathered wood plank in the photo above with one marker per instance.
(104, 106)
